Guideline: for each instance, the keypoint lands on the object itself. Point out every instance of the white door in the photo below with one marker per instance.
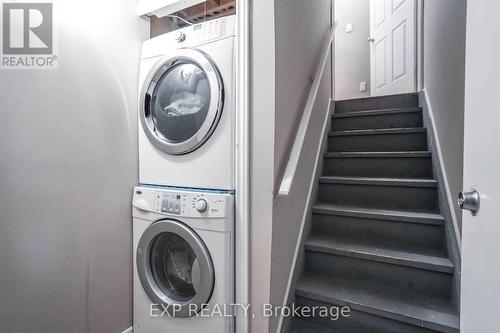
(393, 46)
(480, 296)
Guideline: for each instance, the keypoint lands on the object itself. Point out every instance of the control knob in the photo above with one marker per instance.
(180, 36)
(201, 205)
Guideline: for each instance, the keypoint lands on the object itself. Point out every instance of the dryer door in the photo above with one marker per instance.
(175, 268)
(181, 101)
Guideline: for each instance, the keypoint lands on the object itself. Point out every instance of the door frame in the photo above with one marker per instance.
(419, 19)
(242, 196)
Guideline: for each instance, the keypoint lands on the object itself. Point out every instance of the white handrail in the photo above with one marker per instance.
(293, 161)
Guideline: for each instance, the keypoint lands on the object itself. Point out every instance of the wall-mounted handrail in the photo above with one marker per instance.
(293, 161)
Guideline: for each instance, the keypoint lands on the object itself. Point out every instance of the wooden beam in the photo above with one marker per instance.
(209, 10)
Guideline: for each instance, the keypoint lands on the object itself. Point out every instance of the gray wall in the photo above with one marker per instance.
(289, 33)
(352, 50)
(289, 210)
(300, 28)
(444, 74)
(68, 150)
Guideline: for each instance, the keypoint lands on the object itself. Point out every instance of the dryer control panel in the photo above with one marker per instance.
(208, 30)
(183, 203)
(190, 37)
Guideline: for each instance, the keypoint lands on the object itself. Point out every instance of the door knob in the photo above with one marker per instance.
(469, 200)
(371, 39)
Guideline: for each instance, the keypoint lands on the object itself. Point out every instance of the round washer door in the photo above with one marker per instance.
(182, 101)
(175, 268)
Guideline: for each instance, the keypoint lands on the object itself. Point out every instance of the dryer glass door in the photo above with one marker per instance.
(182, 101)
(175, 268)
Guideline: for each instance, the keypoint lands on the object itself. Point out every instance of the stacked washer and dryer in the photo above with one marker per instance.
(183, 209)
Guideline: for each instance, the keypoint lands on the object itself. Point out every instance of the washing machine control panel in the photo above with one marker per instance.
(190, 204)
(169, 203)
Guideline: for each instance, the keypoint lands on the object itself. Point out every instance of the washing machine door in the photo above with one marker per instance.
(182, 101)
(175, 268)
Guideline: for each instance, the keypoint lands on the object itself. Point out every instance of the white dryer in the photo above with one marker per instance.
(183, 261)
(186, 107)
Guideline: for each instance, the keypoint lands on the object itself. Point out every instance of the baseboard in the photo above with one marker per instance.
(446, 200)
(129, 330)
(283, 323)
(450, 199)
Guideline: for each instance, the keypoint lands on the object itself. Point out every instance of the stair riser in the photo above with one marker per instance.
(396, 120)
(377, 103)
(392, 167)
(382, 197)
(424, 282)
(359, 322)
(380, 232)
(378, 142)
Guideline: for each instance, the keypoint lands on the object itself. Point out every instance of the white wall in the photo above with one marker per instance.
(68, 162)
(352, 50)
(444, 75)
(262, 110)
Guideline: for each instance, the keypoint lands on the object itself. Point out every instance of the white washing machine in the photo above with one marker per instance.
(186, 107)
(183, 261)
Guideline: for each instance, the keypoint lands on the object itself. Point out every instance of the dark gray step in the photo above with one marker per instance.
(380, 214)
(408, 164)
(355, 249)
(390, 118)
(309, 326)
(377, 103)
(378, 140)
(379, 112)
(356, 321)
(385, 305)
(418, 195)
(425, 238)
(371, 272)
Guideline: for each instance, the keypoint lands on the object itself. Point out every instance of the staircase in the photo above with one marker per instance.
(377, 241)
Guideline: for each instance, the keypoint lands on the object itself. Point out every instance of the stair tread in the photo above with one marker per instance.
(384, 214)
(377, 102)
(409, 182)
(356, 249)
(424, 311)
(356, 154)
(379, 131)
(376, 112)
(367, 98)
